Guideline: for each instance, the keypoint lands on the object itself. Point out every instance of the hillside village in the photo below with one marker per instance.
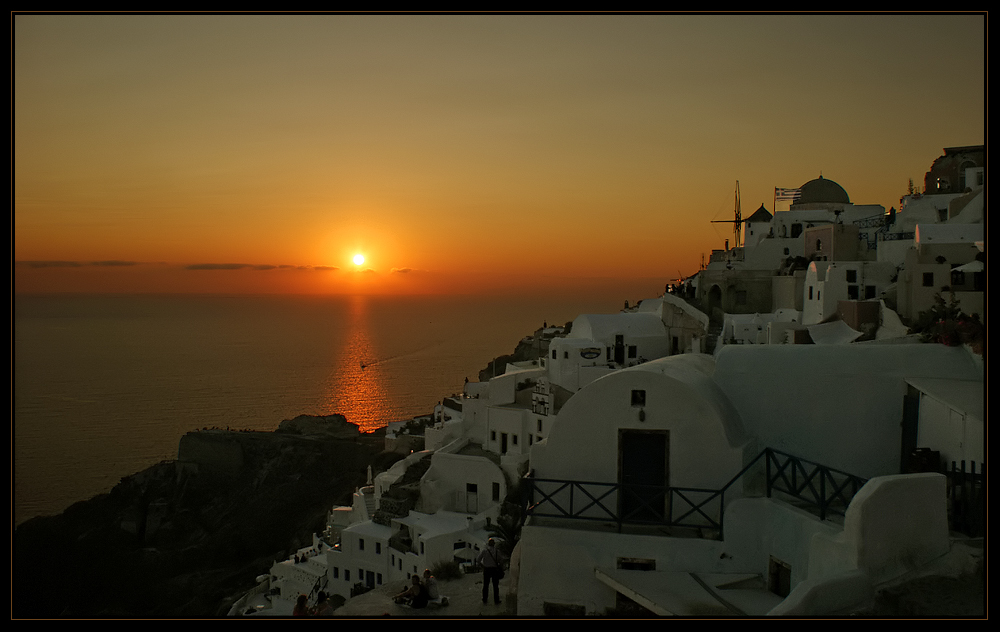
(790, 430)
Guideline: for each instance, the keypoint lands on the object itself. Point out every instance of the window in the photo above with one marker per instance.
(632, 351)
(496, 491)
(566, 355)
(928, 279)
(852, 292)
(493, 435)
(869, 291)
(336, 572)
(514, 439)
(554, 352)
(347, 575)
(957, 277)
(421, 552)
(378, 548)
(636, 564)
(361, 544)
(638, 398)
(851, 276)
(531, 439)
(796, 230)
(539, 425)
(379, 578)
(810, 292)
(786, 252)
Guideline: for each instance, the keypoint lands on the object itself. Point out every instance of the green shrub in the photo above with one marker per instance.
(447, 570)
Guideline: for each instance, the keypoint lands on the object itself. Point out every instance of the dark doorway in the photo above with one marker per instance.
(911, 413)
(779, 577)
(643, 473)
(620, 349)
(472, 498)
(714, 300)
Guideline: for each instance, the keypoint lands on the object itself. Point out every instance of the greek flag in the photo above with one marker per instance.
(781, 194)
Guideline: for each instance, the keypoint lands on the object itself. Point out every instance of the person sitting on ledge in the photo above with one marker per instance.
(433, 594)
(415, 596)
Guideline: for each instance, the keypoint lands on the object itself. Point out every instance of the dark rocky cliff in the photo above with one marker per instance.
(186, 537)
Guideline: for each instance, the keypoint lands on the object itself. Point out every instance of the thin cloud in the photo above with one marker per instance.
(254, 266)
(410, 271)
(51, 264)
(218, 266)
(115, 263)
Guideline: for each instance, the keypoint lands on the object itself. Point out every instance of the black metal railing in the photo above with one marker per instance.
(967, 498)
(820, 487)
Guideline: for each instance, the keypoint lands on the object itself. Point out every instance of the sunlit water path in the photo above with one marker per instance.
(105, 386)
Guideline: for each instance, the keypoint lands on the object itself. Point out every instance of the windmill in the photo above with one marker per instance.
(737, 221)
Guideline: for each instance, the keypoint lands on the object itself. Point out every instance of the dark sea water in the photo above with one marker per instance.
(105, 386)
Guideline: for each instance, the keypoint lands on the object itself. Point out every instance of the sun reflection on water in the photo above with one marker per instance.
(356, 388)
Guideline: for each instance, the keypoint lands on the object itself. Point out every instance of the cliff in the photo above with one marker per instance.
(184, 537)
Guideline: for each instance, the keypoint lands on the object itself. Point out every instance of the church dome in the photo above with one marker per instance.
(821, 191)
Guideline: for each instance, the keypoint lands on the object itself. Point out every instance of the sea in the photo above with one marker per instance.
(106, 385)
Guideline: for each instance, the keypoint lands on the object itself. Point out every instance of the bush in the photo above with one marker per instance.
(447, 570)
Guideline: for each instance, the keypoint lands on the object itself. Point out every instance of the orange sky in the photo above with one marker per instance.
(457, 153)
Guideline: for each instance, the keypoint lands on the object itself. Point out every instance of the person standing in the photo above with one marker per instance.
(491, 559)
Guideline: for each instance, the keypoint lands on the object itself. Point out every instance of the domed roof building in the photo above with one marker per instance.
(820, 194)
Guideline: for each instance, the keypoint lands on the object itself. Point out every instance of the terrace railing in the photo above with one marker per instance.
(822, 488)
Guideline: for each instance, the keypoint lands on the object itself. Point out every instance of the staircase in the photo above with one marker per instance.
(712, 338)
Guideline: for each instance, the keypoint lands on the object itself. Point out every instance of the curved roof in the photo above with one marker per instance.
(605, 326)
(695, 370)
(821, 191)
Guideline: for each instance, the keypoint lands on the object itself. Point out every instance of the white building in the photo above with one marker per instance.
(694, 423)
(829, 282)
(601, 343)
(944, 259)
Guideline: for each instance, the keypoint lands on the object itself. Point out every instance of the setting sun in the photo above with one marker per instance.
(359, 259)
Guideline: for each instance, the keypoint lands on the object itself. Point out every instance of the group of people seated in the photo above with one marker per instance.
(323, 607)
(421, 593)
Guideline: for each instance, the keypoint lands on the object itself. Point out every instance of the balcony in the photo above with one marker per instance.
(823, 490)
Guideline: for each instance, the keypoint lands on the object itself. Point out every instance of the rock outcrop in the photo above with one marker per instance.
(186, 537)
